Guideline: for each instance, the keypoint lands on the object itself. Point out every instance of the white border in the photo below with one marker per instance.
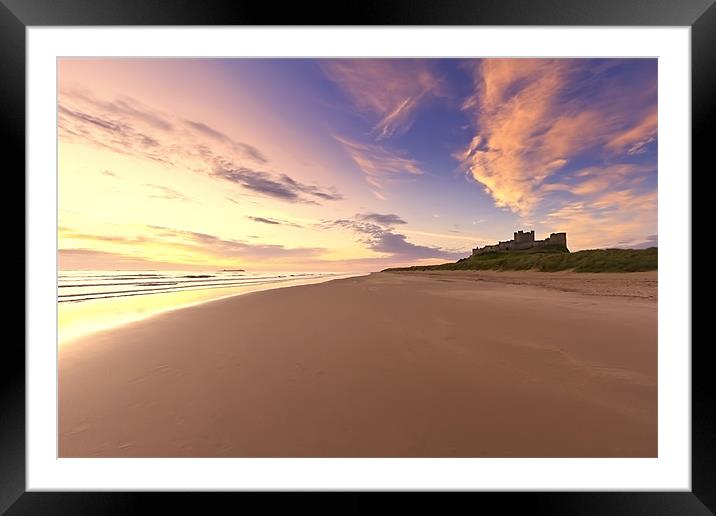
(670, 471)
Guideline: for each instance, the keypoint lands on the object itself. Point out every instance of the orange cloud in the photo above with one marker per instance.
(505, 156)
(634, 139)
(613, 206)
(593, 180)
(529, 128)
(391, 90)
(610, 219)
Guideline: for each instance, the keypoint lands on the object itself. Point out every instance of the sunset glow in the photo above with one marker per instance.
(349, 164)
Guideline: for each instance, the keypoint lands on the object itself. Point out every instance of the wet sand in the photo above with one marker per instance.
(434, 364)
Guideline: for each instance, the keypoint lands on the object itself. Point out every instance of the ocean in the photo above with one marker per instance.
(90, 301)
(77, 286)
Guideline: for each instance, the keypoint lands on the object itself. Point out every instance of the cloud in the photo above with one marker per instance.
(123, 106)
(133, 108)
(168, 245)
(389, 90)
(312, 190)
(607, 219)
(634, 140)
(90, 119)
(209, 131)
(88, 252)
(266, 220)
(67, 233)
(398, 246)
(607, 206)
(106, 132)
(75, 259)
(125, 126)
(163, 192)
(279, 186)
(230, 249)
(378, 163)
(389, 219)
(534, 116)
(380, 237)
(244, 148)
(596, 179)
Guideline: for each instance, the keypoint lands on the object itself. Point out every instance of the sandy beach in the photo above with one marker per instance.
(433, 364)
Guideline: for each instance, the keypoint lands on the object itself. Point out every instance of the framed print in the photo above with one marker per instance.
(413, 249)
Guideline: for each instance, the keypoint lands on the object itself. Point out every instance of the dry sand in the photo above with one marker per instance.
(389, 365)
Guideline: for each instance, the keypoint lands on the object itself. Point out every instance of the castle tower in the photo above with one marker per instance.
(558, 239)
(521, 237)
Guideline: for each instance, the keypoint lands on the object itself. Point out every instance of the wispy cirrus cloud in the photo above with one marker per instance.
(606, 205)
(137, 130)
(608, 219)
(279, 186)
(68, 233)
(389, 90)
(273, 222)
(158, 243)
(242, 148)
(599, 178)
(123, 106)
(534, 116)
(80, 258)
(635, 139)
(379, 164)
(222, 248)
(130, 127)
(108, 132)
(164, 192)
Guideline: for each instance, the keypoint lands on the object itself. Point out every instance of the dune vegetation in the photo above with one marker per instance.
(552, 260)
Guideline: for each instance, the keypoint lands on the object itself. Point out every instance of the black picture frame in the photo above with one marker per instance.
(17, 15)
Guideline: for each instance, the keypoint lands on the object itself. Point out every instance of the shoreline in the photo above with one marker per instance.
(115, 312)
(383, 365)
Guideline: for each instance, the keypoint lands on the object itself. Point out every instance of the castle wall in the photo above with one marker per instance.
(524, 244)
(524, 241)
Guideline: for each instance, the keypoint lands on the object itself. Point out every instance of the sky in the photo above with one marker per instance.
(349, 164)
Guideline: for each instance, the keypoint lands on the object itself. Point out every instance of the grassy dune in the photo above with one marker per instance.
(551, 260)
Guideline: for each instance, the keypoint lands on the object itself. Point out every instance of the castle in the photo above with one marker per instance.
(524, 240)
